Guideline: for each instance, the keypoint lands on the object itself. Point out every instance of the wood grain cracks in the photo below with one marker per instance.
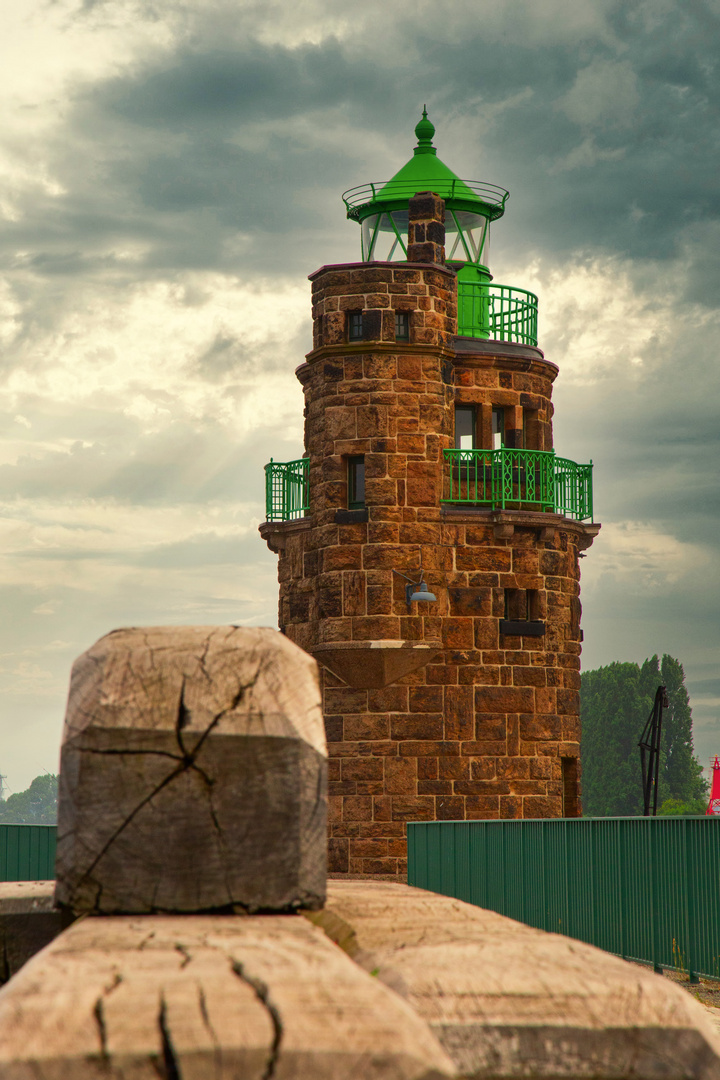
(263, 995)
(186, 759)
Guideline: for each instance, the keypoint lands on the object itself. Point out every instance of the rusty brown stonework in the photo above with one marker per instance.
(489, 728)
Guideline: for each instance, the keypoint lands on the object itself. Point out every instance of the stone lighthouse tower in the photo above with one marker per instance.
(429, 539)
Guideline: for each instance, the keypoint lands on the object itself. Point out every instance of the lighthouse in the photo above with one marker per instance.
(429, 538)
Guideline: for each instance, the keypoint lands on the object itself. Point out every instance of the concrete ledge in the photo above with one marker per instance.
(506, 1000)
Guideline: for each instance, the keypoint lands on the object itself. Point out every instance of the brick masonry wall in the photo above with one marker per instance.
(482, 730)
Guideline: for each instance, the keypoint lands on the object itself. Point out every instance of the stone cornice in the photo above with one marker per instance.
(474, 353)
(335, 268)
(275, 533)
(370, 348)
(504, 522)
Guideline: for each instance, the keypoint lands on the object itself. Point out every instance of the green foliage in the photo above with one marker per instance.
(36, 806)
(678, 808)
(615, 703)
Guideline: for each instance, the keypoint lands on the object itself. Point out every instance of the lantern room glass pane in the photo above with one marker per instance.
(474, 228)
(385, 240)
(368, 230)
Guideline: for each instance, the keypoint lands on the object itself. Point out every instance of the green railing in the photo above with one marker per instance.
(401, 191)
(287, 490)
(520, 479)
(27, 852)
(643, 888)
(497, 312)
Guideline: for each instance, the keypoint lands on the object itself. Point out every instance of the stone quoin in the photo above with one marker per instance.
(429, 539)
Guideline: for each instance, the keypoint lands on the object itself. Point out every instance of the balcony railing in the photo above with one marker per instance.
(287, 490)
(519, 479)
(497, 312)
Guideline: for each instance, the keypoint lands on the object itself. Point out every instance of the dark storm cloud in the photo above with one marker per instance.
(608, 144)
(251, 82)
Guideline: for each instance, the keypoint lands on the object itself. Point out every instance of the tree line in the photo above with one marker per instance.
(615, 702)
(36, 806)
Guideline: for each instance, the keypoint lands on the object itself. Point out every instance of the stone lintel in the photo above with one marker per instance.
(371, 665)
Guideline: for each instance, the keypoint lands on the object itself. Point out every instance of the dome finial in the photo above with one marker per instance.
(424, 131)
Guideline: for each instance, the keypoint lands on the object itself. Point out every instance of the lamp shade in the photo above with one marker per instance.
(423, 593)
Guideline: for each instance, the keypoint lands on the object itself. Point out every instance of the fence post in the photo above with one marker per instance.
(690, 862)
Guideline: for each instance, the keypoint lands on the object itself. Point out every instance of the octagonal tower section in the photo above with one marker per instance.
(429, 539)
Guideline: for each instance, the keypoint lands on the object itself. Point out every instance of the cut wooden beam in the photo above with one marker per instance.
(193, 774)
(199, 997)
(506, 1000)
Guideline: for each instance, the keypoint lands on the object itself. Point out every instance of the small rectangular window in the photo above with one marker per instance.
(402, 326)
(356, 482)
(465, 427)
(498, 427)
(355, 326)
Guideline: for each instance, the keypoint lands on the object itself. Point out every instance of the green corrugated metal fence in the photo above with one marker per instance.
(644, 888)
(27, 852)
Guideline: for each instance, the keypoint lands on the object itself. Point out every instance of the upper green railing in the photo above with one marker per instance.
(497, 312)
(287, 489)
(389, 191)
(521, 479)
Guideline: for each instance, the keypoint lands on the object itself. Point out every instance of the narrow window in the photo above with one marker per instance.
(516, 605)
(570, 792)
(498, 427)
(402, 326)
(531, 429)
(533, 605)
(355, 325)
(465, 427)
(356, 482)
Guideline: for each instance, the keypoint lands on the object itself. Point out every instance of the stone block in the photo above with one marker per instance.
(400, 776)
(193, 773)
(505, 1000)
(208, 996)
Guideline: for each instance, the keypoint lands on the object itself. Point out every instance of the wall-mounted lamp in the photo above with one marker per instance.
(416, 590)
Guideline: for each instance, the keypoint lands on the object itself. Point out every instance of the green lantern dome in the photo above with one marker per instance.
(382, 208)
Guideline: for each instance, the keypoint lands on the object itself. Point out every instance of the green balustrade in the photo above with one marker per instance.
(524, 479)
(287, 489)
(497, 312)
(521, 479)
(392, 194)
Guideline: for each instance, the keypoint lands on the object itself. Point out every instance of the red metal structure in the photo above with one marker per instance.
(713, 806)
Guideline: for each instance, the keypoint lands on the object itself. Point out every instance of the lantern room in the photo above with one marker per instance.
(381, 209)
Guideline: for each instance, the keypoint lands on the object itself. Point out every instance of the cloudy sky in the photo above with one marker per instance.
(170, 174)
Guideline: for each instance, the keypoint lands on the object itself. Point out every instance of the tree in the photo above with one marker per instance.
(36, 806)
(615, 703)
